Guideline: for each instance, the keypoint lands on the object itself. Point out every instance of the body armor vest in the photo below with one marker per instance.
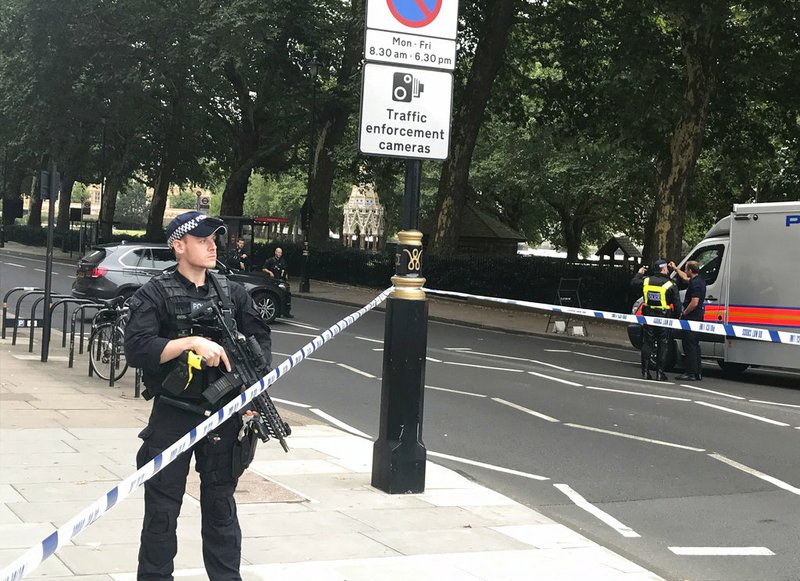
(185, 317)
(655, 296)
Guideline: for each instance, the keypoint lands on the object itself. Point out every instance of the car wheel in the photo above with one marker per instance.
(267, 306)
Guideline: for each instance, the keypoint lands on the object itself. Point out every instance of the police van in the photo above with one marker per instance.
(750, 261)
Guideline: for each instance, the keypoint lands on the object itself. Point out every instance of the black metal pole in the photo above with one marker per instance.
(399, 454)
(48, 269)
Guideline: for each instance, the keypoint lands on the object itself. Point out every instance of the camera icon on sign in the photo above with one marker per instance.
(405, 87)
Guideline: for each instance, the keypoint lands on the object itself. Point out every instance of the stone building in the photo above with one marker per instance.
(363, 219)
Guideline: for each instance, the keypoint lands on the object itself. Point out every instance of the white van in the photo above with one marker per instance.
(750, 261)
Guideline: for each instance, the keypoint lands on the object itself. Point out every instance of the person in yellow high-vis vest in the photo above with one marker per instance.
(661, 299)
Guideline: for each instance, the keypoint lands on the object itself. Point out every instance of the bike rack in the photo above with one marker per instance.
(65, 302)
(20, 299)
(5, 305)
(33, 314)
(80, 309)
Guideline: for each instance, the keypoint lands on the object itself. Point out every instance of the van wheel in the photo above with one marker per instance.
(731, 368)
(267, 306)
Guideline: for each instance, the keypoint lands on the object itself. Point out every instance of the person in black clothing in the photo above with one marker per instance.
(661, 299)
(276, 266)
(692, 311)
(162, 327)
(239, 259)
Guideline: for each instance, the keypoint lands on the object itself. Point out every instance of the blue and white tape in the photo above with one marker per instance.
(34, 556)
(724, 329)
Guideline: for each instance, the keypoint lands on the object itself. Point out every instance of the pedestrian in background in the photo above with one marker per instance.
(692, 311)
(239, 259)
(661, 299)
(276, 266)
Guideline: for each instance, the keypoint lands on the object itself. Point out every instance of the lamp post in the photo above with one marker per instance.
(308, 208)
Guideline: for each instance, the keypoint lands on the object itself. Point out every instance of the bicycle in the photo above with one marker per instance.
(106, 340)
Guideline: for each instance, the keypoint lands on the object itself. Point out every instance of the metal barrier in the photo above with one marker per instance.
(6, 320)
(65, 302)
(80, 309)
(20, 300)
(33, 314)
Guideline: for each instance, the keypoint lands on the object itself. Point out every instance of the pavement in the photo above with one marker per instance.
(311, 514)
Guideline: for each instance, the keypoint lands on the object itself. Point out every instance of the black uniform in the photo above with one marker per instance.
(656, 337)
(236, 259)
(152, 324)
(691, 343)
(277, 266)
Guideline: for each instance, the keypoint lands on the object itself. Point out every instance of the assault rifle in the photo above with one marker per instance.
(246, 357)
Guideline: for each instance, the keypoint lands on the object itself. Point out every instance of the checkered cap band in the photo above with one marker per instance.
(184, 229)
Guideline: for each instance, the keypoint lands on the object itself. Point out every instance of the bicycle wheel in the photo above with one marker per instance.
(100, 352)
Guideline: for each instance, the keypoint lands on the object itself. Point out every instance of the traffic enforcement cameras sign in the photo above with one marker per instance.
(405, 112)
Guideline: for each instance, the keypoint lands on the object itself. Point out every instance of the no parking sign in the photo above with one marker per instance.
(437, 18)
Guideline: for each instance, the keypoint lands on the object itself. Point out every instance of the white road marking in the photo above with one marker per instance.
(756, 473)
(378, 349)
(274, 330)
(41, 270)
(432, 359)
(722, 551)
(497, 355)
(623, 377)
(639, 393)
(487, 466)
(581, 502)
(601, 357)
(639, 438)
(745, 414)
(14, 264)
(69, 276)
(526, 410)
(458, 349)
(340, 424)
(455, 391)
(483, 366)
(788, 405)
(306, 359)
(711, 391)
(291, 403)
(354, 370)
(543, 376)
(370, 340)
(301, 325)
(558, 350)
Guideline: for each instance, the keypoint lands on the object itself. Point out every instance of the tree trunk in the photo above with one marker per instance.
(170, 152)
(699, 44)
(108, 205)
(333, 120)
(453, 182)
(235, 189)
(65, 198)
(35, 204)
(13, 191)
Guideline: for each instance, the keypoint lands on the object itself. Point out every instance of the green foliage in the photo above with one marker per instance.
(79, 192)
(185, 198)
(131, 210)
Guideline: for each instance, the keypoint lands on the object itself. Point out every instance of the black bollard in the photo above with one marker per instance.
(399, 455)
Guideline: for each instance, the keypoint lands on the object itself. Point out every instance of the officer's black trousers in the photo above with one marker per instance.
(655, 338)
(692, 363)
(163, 495)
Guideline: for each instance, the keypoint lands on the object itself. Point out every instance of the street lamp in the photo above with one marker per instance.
(308, 210)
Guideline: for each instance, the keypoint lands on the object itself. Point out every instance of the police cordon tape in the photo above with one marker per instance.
(736, 331)
(34, 556)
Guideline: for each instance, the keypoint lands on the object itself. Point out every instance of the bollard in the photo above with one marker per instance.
(399, 455)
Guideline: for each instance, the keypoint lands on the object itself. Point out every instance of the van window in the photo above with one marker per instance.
(710, 260)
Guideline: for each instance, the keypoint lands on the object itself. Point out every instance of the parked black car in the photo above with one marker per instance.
(117, 270)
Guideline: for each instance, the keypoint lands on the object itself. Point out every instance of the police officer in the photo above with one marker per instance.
(693, 310)
(276, 266)
(661, 299)
(239, 260)
(160, 330)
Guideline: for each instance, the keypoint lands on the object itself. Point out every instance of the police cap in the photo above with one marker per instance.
(193, 223)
